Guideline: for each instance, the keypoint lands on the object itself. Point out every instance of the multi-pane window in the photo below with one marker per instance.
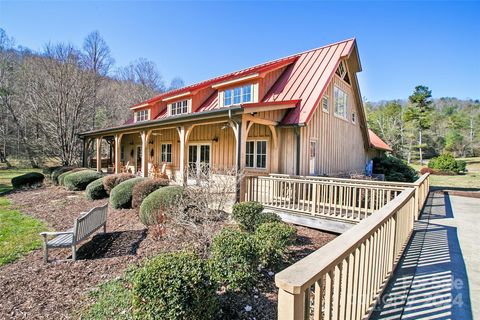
(179, 107)
(256, 154)
(166, 153)
(141, 115)
(238, 95)
(340, 102)
(325, 103)
(122, 152)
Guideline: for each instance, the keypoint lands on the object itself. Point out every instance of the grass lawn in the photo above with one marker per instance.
(18, 232)
(470, 180)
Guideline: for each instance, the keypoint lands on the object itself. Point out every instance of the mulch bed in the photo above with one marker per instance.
(31, 289)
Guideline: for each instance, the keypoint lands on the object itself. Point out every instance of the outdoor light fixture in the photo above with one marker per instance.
(215, 139)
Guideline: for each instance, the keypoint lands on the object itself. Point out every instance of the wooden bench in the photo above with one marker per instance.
(84, 226)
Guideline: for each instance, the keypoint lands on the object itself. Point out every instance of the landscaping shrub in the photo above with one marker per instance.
(272, 239)
(28, 180)
(156, 203)
(95, 190)
(394, 169)
(47, 171)
(249, 215)
(63, 175)
(426, 170)
(174, 286)
(80, 180)
(121, 195)
(234, 259)
(113, 180)
(144, 188)
(447, 163)
(57, 172)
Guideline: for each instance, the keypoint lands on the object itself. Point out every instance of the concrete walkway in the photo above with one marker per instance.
(438, 276)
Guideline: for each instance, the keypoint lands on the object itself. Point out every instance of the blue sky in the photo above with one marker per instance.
(402, 44)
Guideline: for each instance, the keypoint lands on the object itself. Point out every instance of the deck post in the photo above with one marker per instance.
(118, 146)
(99, 154)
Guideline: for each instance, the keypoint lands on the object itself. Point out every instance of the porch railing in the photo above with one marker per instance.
(344, 278)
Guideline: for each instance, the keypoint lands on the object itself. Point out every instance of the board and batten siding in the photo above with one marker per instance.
(340, 145)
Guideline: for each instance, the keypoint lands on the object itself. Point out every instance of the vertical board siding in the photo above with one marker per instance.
(340, 145)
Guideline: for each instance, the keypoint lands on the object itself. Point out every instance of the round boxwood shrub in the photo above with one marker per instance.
(28, 180)
(249, 215)
(57, 172)
(95, 190)
(121, 195)
(174, 286)
(81, 179)
(447, 163)
(394, 169)
(63, 175)
(157, 203)
(113, 180)
(272, 239)
(143, 189)
(234, 259)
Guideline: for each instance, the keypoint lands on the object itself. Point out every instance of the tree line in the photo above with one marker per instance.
(423, 127)
(48, 97)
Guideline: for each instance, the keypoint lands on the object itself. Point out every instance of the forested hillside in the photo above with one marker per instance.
(434, 126)
(48, 97)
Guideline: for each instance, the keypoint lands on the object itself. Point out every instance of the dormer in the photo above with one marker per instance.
(179, 104)
(238, 91)
(141, 115)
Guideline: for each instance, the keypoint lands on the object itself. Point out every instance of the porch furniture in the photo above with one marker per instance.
(83, 226)
(124, 168)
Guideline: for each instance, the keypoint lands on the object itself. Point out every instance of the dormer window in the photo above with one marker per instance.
(141, 115)
(179, 107)
(238, 95)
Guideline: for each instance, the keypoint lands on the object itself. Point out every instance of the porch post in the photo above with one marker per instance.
(182, 135)
(84, 151)
(242, 149)
(118, 145)
(99, 154)
(145, 135)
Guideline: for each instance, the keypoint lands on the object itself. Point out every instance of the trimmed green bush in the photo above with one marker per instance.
(121, 195)
(249, 215)
(80, 180)
(272, 239)
(144, 188)
(113, 180)
(394, 169)
(63, 175)
(157, 203)
(174, 286)
(447, 163)
(234, 259)
(57, 172)
(95, 190)
(28, 180)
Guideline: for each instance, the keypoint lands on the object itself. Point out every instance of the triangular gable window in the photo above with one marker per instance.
(342, 72)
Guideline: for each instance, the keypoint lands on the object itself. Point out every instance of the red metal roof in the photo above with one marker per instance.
(307, 79)
(378, 143)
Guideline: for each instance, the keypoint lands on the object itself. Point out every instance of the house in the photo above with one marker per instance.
(299, 115)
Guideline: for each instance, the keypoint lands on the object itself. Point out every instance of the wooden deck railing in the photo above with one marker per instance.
(324, 198)
(344, 278)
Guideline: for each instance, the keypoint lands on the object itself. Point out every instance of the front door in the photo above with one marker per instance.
(198, 160)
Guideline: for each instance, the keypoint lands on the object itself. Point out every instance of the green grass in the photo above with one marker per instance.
(6, 176)
(19, 233)
(470, 180)
(113, 300)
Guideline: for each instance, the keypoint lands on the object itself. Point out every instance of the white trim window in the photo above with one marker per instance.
(141, 115)
(179, 107)
(256, 154)
(313, 157)
(166, 153)
(238, 95)
(325, 103)
(340, 102)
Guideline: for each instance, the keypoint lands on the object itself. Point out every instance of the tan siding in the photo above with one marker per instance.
(287, 152)
(340, 145)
